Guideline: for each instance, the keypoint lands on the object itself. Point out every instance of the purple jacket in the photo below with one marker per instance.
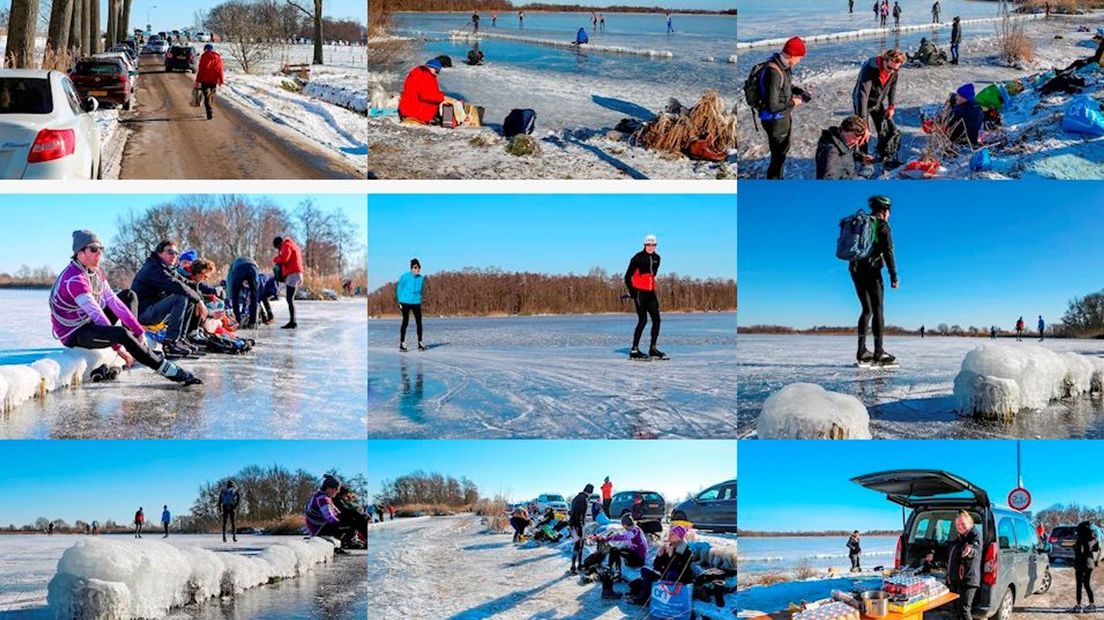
(636, 540)
(79, 297)
(320, 511)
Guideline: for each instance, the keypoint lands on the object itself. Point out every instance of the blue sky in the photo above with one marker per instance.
(38, 228)
(967, 253)
(806, 485)
(549, 233)
(523, 469)
(174, 15)
(104, 480)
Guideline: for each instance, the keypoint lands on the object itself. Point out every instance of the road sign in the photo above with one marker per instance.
(1019, 498)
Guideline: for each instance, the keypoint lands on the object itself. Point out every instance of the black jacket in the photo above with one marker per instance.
(853, 547)
(956, 33)
(643, 268)
(834, 158)
(869, 93)
(777, 93)
(880, 254)
(577, 516)
(964, 563)
(675, 566)
(156, 281)
(1086, 549)
(965, 121)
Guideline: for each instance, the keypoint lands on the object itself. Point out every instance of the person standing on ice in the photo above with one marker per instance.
(289, 260)
(896, 15)
(166, 519)
(50, 528)
(85, 313)
(875, 96)
(1020, 329)
(922, 330)
(390, 512)
(993, 332)
(670, 24)
(228, 508)
(854, 550)
(139, 521)
(956, 38)
(1042, 327)
(640, 279)
(521, 19)
(877, 9)
(95, 528)
(475, 22)
(209, 76)
(964, 566)
(575, 521)
(850, 6)
(866, 274)
(408, 292)
(777, 99)
(935, 12)
(883, 13)
(607, 495)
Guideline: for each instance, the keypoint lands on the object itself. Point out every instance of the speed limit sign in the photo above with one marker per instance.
(1019, 499)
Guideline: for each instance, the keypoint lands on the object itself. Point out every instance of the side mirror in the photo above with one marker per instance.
(90, 105)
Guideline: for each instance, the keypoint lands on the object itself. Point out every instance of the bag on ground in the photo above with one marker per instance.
(856, 236)
(670, 601)
(197, 97)
(1083, 115)
(519, 121)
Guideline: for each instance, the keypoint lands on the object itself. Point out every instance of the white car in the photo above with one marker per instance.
(46, 130)
(202, 37)
(550, 500)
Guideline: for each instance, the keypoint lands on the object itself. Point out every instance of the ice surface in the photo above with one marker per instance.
(468, 37)
(787, 554)
(808, 411)
(549, 377)
(916, 400)
(301, 383)
(156, 576)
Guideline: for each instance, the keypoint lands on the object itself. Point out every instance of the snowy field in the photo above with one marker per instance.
(913, 402)
(449, 567)
(553, 377)
(334, 590)
(784, 554)
(304, 383)
(1030, 144)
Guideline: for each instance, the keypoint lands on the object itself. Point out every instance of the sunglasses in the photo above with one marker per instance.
(95, 249)
(649, 245)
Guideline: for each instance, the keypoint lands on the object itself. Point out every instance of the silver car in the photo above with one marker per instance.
(46, 129)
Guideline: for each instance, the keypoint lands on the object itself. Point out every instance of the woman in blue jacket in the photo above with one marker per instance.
(409, 293)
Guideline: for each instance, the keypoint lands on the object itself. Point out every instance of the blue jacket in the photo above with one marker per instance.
(409, 288)
(166, 517)
(581, 37)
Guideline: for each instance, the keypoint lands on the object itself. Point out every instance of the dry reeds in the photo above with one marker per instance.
(59, 60)
(804, 571)
(673, 133)
(1015, 45)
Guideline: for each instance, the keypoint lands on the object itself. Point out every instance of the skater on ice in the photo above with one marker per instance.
(1020, 326)
(640, 279)
(854, 550)
(289, 269)
(228, 509)
(166, 519)
(576, 521)
(1042, 328)
(139, 521)
(866, 274)
(409, 293)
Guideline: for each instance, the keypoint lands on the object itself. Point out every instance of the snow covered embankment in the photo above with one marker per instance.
(998, 381)
(808, 411)
(116, 580)
(68, 368)
(348, 98)
(113, 137)
(610, 49)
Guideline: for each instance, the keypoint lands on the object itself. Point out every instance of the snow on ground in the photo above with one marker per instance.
(449, 567)
(553, 377)
(915, 401)
(767, 599)
(113, 137)
(1031, 142)
(304, 383)
(336, 589)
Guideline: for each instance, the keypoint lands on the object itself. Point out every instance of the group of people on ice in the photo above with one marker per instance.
(173, 309)
(640, 282)
(882, 11)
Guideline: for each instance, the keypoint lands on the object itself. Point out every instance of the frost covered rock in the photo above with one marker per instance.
(997, 381)
(80, 598)
(1079, 372)
(808, 411)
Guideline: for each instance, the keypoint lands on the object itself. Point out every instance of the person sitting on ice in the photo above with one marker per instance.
(353, 521)
(85, 313)
(962, 117)
(184, 266)
(629, 547)
(838, 155)
(581, 37)
(928, 54)
(166, 297)
(321, 515)
(673, 562)
(421, 98)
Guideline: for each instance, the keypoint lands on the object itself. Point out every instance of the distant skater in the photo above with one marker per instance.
(228, 508)
(475, 22)
(850, 6)
(877, 10)
(896, 15)
(993, 332)
(408, 292)
(956, 38)
(166, 518)
(883, 13)
(670, 24)
(935, 12)
(50, 528)
(494, 19)
(602, 22)
(1042, 327)
(139, 521)
(854, 550)
(1020, 329)
(922, 331)
(640, 279)
(521, 19)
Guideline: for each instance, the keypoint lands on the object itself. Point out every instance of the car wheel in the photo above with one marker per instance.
(127, 104)
(1047, 581)
(1004, 612)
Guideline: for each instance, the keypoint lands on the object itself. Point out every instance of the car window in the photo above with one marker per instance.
(555, 498)
(1006, 534)
(1026, 538)
(710, 495)
(933, 527)
(651, 497)
(99, 68)
(728, 492)
(71, 95)
(19, 95)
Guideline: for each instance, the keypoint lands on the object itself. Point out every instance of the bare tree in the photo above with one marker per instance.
(315, 16)
(76, 27)
(124, 20)
(95, 42)
(248, 33)
(57, 38)
(22, 24)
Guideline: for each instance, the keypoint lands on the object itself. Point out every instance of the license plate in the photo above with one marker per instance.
(98, 93)
(1067, 543)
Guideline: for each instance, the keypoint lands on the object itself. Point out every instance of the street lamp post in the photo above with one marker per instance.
(149, 22)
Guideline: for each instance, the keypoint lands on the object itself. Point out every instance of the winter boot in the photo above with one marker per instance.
(176, 374)
(173, 349)
(881, 358)
(608, 592)
(290, 325)
(635, 354)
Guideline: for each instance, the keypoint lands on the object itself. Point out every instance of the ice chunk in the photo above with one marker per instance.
(206, 579)
(996, 380)
(808, 411)
(49, 373)
(1079, 371)
(1096, 384)
(65, 368)
(24, 383)
(987, 397)
(81, 598)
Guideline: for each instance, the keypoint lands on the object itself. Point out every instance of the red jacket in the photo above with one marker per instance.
(209, 70)
(607, 490)
(421, 96)
(289, 259)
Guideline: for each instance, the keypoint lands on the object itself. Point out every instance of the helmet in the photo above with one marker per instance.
(880, 203)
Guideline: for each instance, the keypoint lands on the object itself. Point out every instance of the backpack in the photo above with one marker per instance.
(519, 122)
(229, 497)
(754, 86)
(857, 235)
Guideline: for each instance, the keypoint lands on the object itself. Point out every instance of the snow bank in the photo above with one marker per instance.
(808, 411)
(714, 555)
(112, 579)
(997, 381)
(66, 368)
(611, 49)
(348, 98)
(864, 33)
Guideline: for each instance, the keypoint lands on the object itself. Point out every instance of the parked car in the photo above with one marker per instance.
(125, 49)
(202, 37)
(1062, 538)
(621, 504)
(46, 131)
(712, 509)
(180, 58)
(106, 79)
(1014, 560)
(155, 46)
(132, 66)
(550, 500)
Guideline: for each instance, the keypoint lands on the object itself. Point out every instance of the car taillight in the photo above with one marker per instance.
(51, 144)
(169, 55)
(989, 567)
(1053, 538)
(897, 555)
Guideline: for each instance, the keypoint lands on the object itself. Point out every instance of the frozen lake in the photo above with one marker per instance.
(554, 377)
(914, 401)
(769, 19)
(785, 553)
(336, 590)
(306, 383)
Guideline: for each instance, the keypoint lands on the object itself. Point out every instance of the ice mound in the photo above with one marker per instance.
(611, 49)
(997, 381)
(100, 578)
(348, 98)
(66, 368)
(808, 411)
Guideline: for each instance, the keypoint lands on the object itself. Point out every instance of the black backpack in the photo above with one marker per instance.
(754, 86)
(519, 122)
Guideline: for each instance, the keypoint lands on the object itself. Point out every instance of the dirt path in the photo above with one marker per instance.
(171, 140)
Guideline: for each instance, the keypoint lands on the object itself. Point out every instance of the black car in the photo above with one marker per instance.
(180, 58)
(712, 509)
(653, 505)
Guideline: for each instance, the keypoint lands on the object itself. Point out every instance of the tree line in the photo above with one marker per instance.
(252, 30)
(1068, 514)
(941, 329)
(432, 489)
(479, 292)
(818, 533)
(72, 29)
(1084, 317)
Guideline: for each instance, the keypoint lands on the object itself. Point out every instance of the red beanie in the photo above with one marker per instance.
(794, 47)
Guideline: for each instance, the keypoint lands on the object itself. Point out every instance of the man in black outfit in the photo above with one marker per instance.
(778, 99)
(640, 279)
(854, 551)
(164, 296)
(875, 96)
(964, 566)
(866, 273)
(576, 519)
(228, 508)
